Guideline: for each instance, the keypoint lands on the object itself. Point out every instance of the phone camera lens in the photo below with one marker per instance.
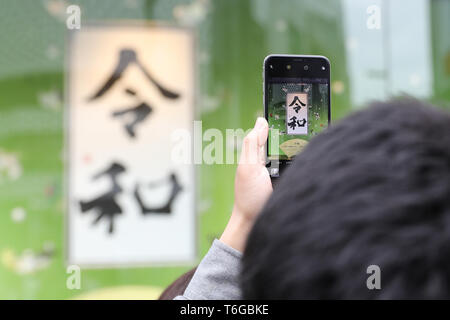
(306, 67)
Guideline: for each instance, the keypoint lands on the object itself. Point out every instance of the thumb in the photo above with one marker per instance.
(262, 130)
(262, 133)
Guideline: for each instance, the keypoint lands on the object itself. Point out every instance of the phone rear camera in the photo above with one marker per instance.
(305, 67)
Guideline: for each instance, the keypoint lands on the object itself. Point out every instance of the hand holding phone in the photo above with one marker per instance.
(252, 187)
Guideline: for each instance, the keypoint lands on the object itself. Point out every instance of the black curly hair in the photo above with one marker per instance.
(373, 189)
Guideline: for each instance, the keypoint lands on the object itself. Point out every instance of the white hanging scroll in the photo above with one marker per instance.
(129, 87)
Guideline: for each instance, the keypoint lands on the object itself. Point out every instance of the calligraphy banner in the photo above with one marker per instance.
(297, 113)
(128, 88)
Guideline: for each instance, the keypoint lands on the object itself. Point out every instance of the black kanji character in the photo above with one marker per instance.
(301, 123)
(165, 208)
(292, 122)
(298, 104)
(140, 113)
(126, 58)
(106, 205)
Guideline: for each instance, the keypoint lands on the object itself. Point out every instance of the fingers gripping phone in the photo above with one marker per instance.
(296, 92)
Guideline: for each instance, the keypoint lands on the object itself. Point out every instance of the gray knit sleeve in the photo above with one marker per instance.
(217, 276)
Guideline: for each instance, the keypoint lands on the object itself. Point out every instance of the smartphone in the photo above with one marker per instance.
(296, 90)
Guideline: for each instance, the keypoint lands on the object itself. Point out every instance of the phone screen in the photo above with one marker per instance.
(297, 105)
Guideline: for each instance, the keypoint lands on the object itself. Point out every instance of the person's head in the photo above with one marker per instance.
(374, 189)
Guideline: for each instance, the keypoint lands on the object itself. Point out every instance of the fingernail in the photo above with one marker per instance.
(259, 123)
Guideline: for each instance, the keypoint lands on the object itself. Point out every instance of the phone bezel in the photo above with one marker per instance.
(297, 60)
